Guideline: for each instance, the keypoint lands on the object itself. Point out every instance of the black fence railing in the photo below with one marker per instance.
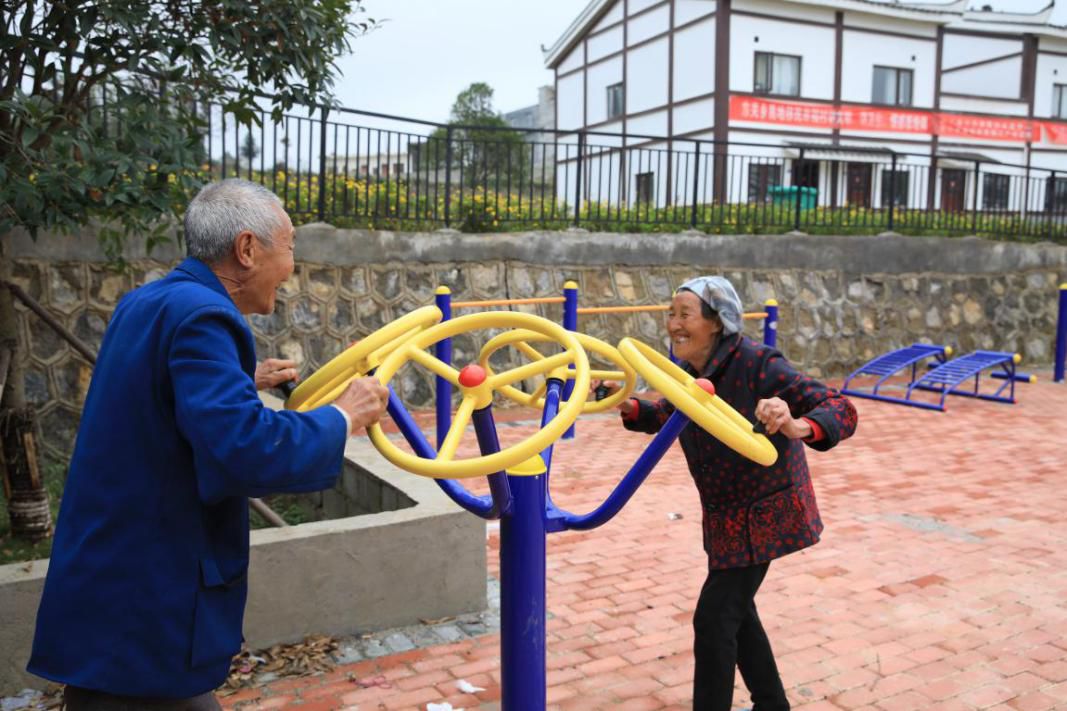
(407, 173)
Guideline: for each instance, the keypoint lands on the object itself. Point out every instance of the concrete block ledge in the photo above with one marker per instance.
(338, 577)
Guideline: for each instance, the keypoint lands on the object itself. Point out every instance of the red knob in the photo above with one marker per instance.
(472, 376)
(705, 385)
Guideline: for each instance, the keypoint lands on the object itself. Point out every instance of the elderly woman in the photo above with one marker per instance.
(751, 514)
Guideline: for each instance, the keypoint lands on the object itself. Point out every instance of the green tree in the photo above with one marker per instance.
(102, 114)
(484, 146)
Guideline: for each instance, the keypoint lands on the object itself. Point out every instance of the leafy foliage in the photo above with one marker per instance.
(483, 145)
(99, 99)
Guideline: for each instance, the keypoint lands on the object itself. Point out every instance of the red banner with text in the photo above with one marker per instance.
(847, 117)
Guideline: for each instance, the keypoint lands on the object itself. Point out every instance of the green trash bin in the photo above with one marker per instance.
(786, 196)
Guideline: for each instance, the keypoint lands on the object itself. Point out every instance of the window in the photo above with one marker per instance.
(761, 178)
(398, 169)
(644, 187)
(995, 191)
(899, 193)
(892, 86)
(614, 101)
(1056, 195)
(777, 74)
(1059, 101)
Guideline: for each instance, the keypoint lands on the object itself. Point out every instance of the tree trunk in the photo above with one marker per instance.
(27, 499)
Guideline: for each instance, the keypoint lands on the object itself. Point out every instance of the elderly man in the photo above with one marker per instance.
(145, 594)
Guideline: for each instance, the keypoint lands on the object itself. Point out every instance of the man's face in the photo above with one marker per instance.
(273, 265)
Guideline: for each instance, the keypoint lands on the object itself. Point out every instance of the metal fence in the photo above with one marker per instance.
(330, 165)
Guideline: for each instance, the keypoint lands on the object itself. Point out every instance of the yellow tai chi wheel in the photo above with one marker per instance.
(477, 389)
(704, 408)
(521, 339)
(329, 381)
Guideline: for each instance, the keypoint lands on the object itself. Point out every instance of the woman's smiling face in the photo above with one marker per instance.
(692, 336)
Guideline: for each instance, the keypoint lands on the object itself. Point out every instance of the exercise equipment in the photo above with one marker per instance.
(522, 339)
(890, 364)
(519, 475)
(946, 378)
(329, 381)
(943, 376)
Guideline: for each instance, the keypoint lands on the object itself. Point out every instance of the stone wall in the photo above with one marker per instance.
(843, 299)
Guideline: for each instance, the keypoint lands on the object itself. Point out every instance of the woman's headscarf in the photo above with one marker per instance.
(718, 293)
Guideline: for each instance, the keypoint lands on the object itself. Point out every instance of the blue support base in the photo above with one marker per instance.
(527, 515)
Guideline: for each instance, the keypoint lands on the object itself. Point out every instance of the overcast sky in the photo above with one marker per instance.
(427, 51)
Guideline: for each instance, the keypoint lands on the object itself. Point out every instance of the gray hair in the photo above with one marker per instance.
(223, 210)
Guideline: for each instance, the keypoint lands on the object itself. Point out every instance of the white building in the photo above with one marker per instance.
(536, 122)
(371, 164)
(974, 103)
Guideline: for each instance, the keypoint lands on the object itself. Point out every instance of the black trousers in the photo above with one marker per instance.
(728, 634)
(78, 699)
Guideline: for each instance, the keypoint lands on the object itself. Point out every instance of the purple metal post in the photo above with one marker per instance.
(770, 323)
(527, 516)
(481, 506)
(570, 322)
(1061, 337)
(522, 597)
(443, 350)
(633, 479)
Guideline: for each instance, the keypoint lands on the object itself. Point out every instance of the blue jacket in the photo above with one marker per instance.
(146, 586)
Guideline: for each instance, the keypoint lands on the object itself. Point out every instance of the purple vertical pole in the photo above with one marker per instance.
(522, 597)
(443, 350)
(570, 322)
(770, 324)
(1061, 336)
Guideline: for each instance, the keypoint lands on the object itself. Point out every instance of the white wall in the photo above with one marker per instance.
(862, 51)
(686, 10)
(610, 17)
(965, 49)
(636, 6)
(891, 24)
(573, 60)
(694, 117)
(694, 60)
(605, 43)
(1050, 161)
(813, 44)
(1051, 70)
(1000, 79)
(570, 100)
(653, 124)
(648, 25)
(646, 75)
(602, 76)
(984, 106)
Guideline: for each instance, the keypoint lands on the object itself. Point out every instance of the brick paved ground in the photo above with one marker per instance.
(940, 582)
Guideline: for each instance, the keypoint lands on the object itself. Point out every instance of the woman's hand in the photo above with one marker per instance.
(274, 371)
(775, 416)
(610, 388)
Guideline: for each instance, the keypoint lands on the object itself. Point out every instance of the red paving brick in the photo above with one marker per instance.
(940, 582)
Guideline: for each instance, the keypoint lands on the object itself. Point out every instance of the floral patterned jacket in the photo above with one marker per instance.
(753, 514)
